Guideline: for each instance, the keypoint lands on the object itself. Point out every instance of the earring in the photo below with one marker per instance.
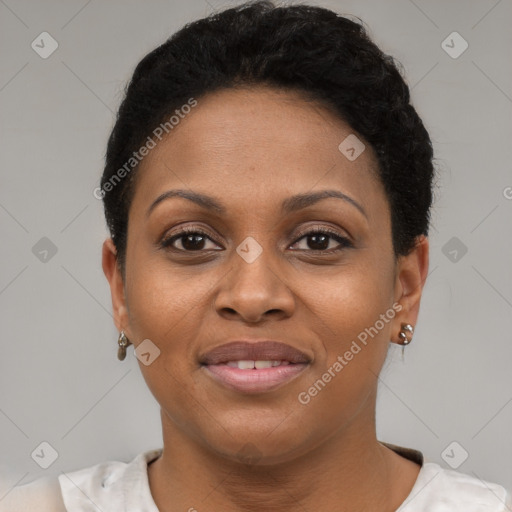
(123, 342)
(405, 328)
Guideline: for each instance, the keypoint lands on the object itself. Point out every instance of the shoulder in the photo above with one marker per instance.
(108, 484)
(440, 489)
(43, 495)
(84, 484)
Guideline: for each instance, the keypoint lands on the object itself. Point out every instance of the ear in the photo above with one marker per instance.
(113, 274)
(411, 274)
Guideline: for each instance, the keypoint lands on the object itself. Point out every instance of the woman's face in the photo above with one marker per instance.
(253, 273)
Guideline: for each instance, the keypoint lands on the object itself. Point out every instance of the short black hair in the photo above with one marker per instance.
(328, 57)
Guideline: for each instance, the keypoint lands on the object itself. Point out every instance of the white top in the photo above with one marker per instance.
(122, 486)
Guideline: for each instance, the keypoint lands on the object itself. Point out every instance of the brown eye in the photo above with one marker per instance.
(318, 239)
(192, 240)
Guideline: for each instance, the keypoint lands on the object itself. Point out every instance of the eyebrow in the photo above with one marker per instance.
(289, 205)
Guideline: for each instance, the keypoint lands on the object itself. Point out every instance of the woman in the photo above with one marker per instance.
(268, 188)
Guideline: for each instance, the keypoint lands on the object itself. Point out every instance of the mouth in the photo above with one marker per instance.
(254, 367)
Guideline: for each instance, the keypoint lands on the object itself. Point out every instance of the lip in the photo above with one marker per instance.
(254, 380)
(254, 351)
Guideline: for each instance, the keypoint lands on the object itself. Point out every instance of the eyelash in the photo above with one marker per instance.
(344, 242)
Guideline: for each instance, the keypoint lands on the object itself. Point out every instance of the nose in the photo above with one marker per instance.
(254, 289)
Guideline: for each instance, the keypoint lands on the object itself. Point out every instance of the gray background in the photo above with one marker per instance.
(60, 380)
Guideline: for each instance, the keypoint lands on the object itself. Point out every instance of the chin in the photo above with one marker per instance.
(263, 445)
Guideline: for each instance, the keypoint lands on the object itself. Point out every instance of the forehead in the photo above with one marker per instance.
(257, 144)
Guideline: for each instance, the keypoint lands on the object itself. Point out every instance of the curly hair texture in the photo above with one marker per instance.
(313, 50)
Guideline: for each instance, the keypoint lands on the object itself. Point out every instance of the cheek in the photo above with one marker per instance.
(168, 305)
(163, 307)
(352, 300)
(160, 297)
(353, 315)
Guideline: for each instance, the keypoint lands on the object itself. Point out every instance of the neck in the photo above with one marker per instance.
(349, 471)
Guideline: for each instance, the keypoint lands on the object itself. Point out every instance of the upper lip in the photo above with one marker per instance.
(254, 351)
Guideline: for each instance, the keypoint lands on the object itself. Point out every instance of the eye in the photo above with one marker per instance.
(194, 240)
(191, 239)
(319, 240)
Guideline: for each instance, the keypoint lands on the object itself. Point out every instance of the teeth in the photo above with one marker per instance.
(264, 364)
(245, 365)
(249, 365)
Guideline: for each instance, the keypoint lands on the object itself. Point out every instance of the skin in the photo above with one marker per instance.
(251, 149)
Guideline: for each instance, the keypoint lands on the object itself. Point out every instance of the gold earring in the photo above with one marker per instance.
(405, 328)
(123, 342)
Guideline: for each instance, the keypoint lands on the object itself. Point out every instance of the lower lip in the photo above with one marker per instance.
(255, 380)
